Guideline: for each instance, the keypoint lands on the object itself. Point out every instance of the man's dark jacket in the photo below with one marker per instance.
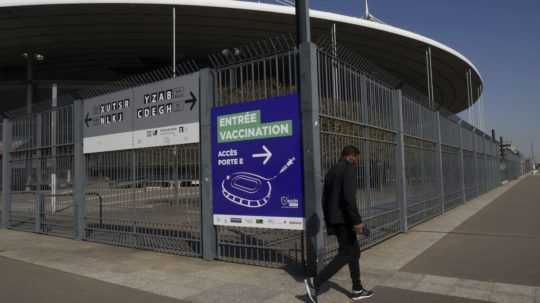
(339, 196)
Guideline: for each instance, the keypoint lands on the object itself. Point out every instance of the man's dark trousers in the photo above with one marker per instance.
(348, 253)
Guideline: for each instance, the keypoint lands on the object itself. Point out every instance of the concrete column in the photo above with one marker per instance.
(206, 99)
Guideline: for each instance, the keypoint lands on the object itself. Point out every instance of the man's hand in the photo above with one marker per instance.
(359, 228)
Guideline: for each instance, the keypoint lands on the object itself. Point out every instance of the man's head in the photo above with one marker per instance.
(351, 153)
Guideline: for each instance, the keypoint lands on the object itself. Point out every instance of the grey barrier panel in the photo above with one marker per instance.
(79, 176)
(400, 162)
(6, 172)
(309, 109)
(208, 231)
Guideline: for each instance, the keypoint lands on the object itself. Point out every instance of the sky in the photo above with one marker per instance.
(500, 37)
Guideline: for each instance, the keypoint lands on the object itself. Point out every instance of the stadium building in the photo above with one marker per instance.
(107, 131)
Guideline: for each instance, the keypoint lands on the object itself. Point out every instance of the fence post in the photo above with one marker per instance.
(38, 135)
(475, 161)
(364, 116)
(309, 108)
(39, 220)
(462, 162)
(6, 172)
(79, 174)
(439, 159)
(486, 165)
(206, 99)
(401, 177)
(39, 208)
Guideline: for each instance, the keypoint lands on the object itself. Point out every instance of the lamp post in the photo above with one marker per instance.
(30, 58)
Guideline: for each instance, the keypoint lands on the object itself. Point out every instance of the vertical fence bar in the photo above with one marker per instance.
(364, 118)
(462, 161)
(309, 108)
(37, 160)
(53, 142)
(401, 177)
(39, 209)
(40, 213)
(439, 159)
(6, 172)
(79, 174)
(475, 162)
(208, 231)
(487, 173)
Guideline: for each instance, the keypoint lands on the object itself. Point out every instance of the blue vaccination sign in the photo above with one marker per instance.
(257, 168)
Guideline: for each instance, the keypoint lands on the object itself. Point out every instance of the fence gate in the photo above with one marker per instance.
(42, 172)
(142, 161)
(145, 198)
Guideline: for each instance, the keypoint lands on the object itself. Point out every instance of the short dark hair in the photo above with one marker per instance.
(350, 150)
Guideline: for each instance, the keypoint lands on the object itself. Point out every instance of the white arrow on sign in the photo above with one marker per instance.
(267, 154)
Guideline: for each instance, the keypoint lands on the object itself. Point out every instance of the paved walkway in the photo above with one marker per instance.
(483, 251)
(23, 282)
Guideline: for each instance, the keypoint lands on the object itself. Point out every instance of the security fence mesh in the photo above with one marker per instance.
(423, 196)
(145, 198)
(42, 162)
(151, 198)
(357, 110)
(242, 80)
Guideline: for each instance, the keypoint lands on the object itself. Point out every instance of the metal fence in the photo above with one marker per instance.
(245, 79)
(415, 163)
(358, 110)
(145, 198)
(42, 162)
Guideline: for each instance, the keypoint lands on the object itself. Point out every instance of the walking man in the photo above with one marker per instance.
(344, 221)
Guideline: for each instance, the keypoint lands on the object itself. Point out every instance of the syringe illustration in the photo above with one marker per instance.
(250, 190)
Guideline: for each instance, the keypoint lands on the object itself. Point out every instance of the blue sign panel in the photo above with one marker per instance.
(257, 167)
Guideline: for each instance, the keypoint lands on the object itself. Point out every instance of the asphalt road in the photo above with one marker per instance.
(22, 282)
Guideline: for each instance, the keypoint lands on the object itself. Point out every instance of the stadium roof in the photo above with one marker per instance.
(90, 42)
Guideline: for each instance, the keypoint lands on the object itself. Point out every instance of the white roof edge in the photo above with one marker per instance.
(262, 7)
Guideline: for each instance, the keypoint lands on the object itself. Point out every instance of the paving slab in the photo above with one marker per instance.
(23, 282)
(500, 243)
(391, 295)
